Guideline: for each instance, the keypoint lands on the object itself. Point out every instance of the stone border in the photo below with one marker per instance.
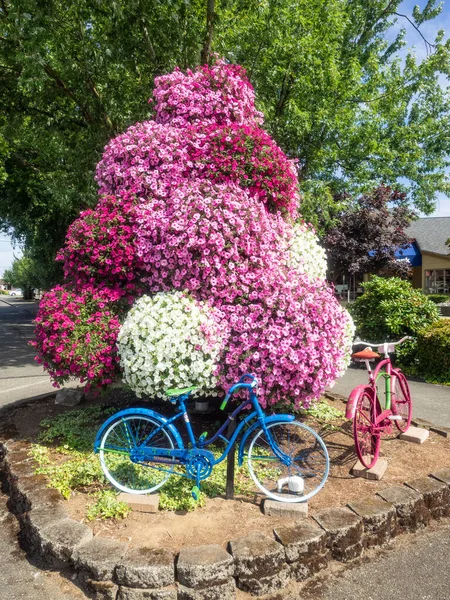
(258, 563)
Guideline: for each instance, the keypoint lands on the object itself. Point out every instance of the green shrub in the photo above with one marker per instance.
(438, 298)
(391, 308)
(433, 352)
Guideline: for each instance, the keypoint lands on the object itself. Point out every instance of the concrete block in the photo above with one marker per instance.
(140, 502)
(307, 567)
(409, 506)
(302, 540)
(415, 435)
(442, 475)
(69, 397)
(345, 531)
(221, 591)
(379, 518)
(59, 540)
(98, 558)
(146, 568)
(204, 566)
(99, 590)
(442, 431)
(168, 593)
(260, 565)
(375, 473)
(423, 423)
(436, 495)
(290, 510)
(306, 550)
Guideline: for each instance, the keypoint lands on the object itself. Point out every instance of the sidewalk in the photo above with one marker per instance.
(430, 402)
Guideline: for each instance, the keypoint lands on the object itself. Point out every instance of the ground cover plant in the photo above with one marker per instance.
(195, 267)
(63, 452)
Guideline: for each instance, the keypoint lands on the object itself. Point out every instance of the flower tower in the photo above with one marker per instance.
(194, 268)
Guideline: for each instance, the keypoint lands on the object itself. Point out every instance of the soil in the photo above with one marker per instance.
(221, 520)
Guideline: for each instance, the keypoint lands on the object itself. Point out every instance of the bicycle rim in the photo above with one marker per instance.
(307, 451)
(122, 440)
(367, 443)
(401, 401)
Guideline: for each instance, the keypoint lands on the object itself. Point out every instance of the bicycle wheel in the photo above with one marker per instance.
(367, 441)
(303, 471)
(122, 457)
(401, 401)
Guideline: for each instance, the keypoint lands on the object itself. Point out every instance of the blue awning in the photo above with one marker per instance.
(412, 253)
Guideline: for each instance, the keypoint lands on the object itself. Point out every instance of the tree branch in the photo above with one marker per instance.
(210, 20)
(427, 43)
(68, 92)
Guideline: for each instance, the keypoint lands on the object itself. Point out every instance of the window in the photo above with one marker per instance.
(437, 281)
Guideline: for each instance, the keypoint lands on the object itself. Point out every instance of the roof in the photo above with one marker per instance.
(431, 234)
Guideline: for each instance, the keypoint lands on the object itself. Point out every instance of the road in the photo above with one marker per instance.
(413, 567)
(20, 376)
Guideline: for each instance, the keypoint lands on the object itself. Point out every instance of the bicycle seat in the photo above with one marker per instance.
(175, 392)
(366, 354)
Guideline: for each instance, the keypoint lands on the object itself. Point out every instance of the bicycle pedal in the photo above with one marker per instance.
(195, 493)
(395, 418)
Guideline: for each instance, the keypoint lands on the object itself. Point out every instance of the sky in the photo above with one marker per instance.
(429, 30)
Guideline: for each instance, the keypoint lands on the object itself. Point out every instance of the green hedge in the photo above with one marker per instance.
(433, 351)
(438, 298)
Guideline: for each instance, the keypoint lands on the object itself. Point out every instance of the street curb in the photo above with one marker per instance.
(259, 564)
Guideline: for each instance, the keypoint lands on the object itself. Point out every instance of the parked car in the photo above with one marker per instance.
(15, 293)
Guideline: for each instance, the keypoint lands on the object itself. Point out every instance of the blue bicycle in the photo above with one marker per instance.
(140, 449)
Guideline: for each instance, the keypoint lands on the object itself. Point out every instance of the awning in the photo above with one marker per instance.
(412, 253)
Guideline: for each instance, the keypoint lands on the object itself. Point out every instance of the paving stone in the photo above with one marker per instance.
(202, 566)
(415, 435)
(379, 518)
(69, 397)
(223, 591)
(259, 563)
(140, 503)
(167, 593)
(442, 431)
(59, 540)
(409, 506)
(290, 510)
(146, 568)
(375, 473)
(436, 495)
(98, 558)
(345, 531)
(302, 540)
(442, 475)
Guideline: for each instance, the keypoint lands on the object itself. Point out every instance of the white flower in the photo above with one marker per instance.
(162, 344)
(305, 253)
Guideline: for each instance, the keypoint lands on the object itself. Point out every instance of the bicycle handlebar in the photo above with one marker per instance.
(240, 385)
(386, 347)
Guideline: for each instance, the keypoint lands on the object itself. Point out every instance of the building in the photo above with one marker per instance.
(429, 254)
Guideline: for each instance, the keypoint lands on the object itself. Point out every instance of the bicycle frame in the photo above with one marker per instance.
(180, 455)
(389, 406)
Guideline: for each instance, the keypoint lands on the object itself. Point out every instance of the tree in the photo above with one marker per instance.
(343, 96)
(24, 274)
(337, 93)
(369, 234)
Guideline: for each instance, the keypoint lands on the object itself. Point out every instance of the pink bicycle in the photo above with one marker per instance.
(370, 420)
